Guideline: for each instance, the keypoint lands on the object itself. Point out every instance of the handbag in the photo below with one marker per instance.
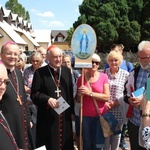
(105, 127)
(108, 122)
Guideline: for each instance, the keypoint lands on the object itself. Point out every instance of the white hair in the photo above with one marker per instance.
(96, 57)
(143, 44)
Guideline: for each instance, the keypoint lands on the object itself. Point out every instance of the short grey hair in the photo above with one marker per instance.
(96, 57)
(36, 54)
(143, 44)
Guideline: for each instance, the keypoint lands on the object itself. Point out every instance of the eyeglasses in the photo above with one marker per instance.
(10, 54)
(43, 54)
(97, 63)
(35, 61)
(5, 81)
(144, 58)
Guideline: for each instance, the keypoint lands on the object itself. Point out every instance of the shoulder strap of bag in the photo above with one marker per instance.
(95, 102)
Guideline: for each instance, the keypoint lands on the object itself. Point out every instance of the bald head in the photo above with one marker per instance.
(3, 79)
(54, 56)
(43, 52)
(3, 71)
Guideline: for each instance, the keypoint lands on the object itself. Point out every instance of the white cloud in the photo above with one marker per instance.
(54, 23)
(44, 14)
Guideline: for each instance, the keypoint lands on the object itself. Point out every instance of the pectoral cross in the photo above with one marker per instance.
(58, 91)
(19, 100)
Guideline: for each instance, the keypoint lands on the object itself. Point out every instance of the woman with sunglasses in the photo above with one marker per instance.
(117, 78)
(95, 86)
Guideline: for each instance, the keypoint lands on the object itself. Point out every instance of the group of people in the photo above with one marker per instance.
(30, 98)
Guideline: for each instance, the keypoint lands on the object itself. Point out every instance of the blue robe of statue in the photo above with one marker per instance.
(84, 43)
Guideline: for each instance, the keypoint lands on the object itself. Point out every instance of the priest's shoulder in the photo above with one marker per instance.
(18, 71)
(65, 68)
(42, 69)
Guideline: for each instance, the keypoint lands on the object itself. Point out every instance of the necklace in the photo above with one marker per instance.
(7, 129)
(17, 88)
(57, 85)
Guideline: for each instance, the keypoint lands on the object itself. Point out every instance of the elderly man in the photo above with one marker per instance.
(13, 103)
(136, 80)
(42, 50)
(51, 82)
(7, 140)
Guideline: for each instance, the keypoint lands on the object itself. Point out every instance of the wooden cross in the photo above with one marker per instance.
(19, 100)
(57, 91)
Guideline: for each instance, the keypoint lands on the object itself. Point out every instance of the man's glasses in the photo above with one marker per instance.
(95, 62)
(5, 81)
(144, 58)
(10, 54)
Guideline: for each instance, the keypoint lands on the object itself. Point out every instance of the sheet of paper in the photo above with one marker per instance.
(63, 105)
(139, 92)
(41, 148)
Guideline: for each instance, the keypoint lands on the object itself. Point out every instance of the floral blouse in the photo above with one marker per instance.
(146, 137)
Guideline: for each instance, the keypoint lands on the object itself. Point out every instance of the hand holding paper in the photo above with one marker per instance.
(138, 93)
(63, 105)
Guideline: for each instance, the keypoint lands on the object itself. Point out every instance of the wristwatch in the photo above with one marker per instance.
(91, 94)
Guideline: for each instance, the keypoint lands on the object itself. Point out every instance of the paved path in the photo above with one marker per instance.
(127, 141)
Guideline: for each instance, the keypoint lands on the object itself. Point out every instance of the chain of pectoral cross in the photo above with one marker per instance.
(15, 85)
(56, 79)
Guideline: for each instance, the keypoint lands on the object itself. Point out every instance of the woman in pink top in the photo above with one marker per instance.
(95, 86)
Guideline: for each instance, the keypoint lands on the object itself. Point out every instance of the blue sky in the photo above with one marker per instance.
(51, 14)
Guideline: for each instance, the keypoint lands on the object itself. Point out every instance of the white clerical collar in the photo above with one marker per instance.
(11, 69)
(55, 69)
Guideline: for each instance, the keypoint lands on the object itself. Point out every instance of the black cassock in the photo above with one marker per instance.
(7, 141)
(17, 115)
(53, 130)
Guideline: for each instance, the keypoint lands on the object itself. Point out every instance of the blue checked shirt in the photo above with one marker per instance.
(140, 82)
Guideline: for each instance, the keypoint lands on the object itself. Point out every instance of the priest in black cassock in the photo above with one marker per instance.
(13, 103)
(7, 141)
(49, 83)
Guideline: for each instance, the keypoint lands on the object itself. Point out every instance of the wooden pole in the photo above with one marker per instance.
(81, 110)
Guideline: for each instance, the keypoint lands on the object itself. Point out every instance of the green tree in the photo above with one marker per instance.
(145, 21)
(69, 33)
(17, 8)
(116, 21)
(135, 8)
(98, 16)
(27, 16)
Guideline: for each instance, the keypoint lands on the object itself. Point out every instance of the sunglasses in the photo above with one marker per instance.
(97, 63)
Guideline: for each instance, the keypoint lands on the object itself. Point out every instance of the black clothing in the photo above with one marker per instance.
(53, 130)
(7, 141)
(17, 115)
(134, 138)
